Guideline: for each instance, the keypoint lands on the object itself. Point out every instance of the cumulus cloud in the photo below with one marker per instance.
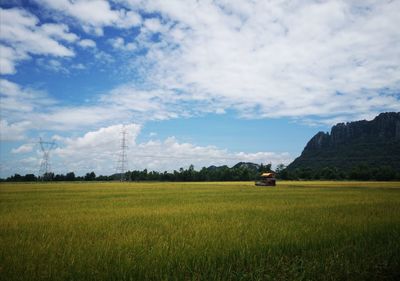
(59, 31)
(98, 151)
(52, 65)
(24, 104)
(93, 15)
(125, 102)
(278, 59)
(8, 59)
(95, 150)
(20, 107)
(16, 100)
(87, 43)
(171, 154)
(118, 43)
(122, 103)
(22, 36)
(23, 148)
(153, 25)
(13, 131)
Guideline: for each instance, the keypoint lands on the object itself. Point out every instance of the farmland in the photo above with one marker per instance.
(200, 231)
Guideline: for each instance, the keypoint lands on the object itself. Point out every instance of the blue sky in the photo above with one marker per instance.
(202, 82)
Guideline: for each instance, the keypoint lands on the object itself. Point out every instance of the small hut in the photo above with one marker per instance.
(267, 179)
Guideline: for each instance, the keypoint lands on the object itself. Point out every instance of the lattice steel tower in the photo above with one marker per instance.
(123, 159)
(45, 168)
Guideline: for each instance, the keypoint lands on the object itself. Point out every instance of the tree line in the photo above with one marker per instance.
(213, 173)
(363, 172)
(225, 173)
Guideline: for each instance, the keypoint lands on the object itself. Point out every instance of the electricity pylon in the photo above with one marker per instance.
(122, 157)
(45, 167)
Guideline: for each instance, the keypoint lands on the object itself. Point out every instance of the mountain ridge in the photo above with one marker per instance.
(374, 143)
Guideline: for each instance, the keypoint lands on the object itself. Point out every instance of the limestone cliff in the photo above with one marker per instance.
(375, 142)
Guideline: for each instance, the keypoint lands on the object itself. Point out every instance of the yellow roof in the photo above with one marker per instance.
(267, 174)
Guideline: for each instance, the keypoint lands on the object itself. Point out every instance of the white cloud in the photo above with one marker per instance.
(98, 151)
(128, 19)
(153, 25)
(23, 104)
(22, 36)
(13, 131)
(59, 31)
(8, 59)
(125, 102)
(23, 148)
(95, 150)
(103, 57)
(118, 43)
(148, 104)
(28, 165)
(122, 103)
(87, 43)
(93, 15)
(78, 66)
(328, 60)
(73, 118)
(19, 109)
(16, 100)
(52, 65)
(275, 59)
(171, 154)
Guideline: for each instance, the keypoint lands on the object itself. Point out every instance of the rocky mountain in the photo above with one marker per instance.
(247, 165)
(374, 143)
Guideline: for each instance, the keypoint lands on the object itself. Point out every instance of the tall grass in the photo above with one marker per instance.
(200, 231)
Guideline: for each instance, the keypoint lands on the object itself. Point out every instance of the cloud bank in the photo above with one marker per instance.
(281, 59)
(98, 151)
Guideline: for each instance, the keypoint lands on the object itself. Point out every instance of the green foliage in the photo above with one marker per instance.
(90, 176)
(359, 172)
(235, 173)
(239, 172)
(70, 176)
(200, 231)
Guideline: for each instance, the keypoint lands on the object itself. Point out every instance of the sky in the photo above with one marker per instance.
(191, 82)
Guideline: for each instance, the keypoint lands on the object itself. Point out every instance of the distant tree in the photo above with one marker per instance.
(281, 172)
(90, 176)
(59, 177)
(15, 177)
(397, 176)
(360, 172)
(47, 176)
(30, 177)
(328, 173)
(265, 168)
(385, 173)
(104, 178)
(305, 173)
(70, 176)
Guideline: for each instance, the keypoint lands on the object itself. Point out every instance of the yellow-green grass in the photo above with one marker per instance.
(200, 231)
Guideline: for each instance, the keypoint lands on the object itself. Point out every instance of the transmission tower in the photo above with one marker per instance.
(45, 168)
(122, 158)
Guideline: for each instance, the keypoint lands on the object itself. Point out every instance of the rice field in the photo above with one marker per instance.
(200, 231)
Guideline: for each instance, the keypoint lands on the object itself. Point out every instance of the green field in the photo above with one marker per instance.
(200, 231)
